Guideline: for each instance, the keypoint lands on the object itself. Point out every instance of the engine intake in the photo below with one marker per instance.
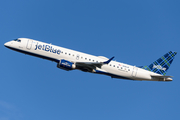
(66, 65)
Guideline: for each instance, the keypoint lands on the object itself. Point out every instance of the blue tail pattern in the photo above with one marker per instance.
(161, 65)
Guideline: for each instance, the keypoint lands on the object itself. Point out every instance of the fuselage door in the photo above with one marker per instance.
(134, 72)
(29, 44)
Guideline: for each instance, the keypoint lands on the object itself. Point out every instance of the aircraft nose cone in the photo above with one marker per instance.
(6, 44)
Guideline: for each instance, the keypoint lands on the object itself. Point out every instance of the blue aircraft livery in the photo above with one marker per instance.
(161, 65)
(47, 48)
(68, 59)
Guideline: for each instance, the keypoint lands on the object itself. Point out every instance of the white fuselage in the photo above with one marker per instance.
(56, 53)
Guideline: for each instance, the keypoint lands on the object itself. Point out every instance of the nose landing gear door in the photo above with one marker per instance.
(29, 44)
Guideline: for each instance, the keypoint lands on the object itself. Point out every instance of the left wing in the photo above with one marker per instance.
(92, 65)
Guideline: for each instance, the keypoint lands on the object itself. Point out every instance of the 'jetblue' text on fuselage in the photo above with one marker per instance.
(47, 48)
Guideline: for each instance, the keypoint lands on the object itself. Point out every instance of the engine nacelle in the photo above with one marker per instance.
(66, 65)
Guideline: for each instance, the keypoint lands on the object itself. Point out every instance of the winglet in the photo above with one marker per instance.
(107, 62)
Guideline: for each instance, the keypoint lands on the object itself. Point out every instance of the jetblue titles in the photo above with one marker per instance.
(47, 48)
(159, 67)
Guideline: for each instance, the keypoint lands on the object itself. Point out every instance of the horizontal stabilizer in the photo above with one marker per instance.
(162, 78)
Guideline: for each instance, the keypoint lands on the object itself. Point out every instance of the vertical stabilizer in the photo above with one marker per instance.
(161, 65)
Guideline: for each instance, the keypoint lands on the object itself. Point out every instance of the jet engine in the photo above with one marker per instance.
(66, 65)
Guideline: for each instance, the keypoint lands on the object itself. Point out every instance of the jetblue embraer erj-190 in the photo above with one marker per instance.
(69, 60)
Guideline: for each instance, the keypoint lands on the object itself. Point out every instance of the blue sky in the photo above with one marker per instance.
(135, 32)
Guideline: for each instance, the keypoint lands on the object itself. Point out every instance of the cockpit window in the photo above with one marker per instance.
(17, 40)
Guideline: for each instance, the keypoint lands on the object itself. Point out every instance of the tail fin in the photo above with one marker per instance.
(161, 65)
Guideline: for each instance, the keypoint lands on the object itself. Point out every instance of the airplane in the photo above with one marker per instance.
(68, 59)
